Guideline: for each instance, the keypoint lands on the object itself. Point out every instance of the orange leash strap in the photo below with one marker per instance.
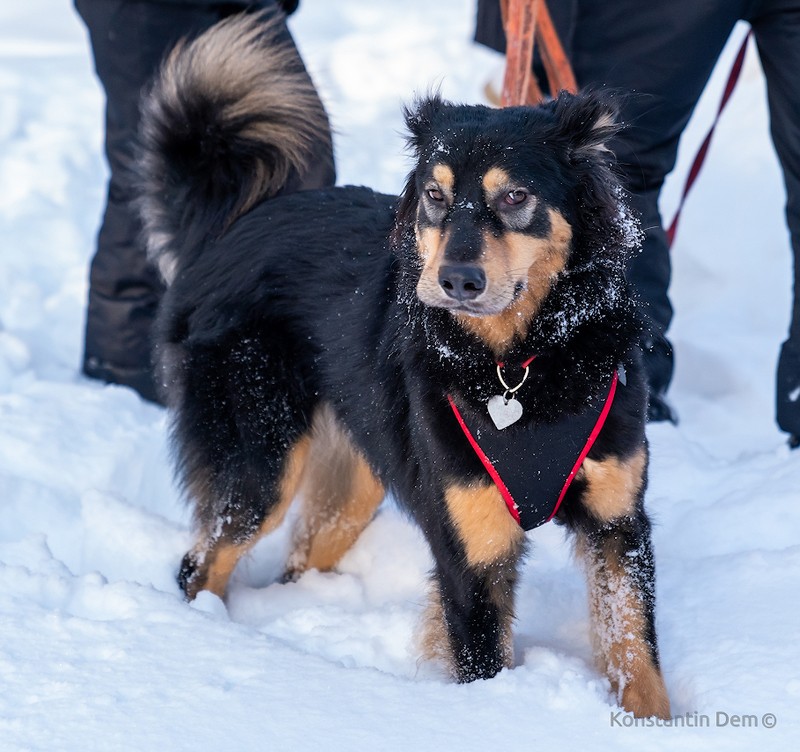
(528, 22)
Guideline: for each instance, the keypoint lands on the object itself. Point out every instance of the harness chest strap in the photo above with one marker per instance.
(533, 466)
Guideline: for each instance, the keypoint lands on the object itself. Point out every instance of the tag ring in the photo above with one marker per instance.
(511, 390)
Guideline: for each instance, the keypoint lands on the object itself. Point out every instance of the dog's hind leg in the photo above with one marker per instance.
(242, 440)
(613, 542)
(231, 534)
(477, 549)
(339, 493)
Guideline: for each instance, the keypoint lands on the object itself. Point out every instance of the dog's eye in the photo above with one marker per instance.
(434, 194)
(513, 198)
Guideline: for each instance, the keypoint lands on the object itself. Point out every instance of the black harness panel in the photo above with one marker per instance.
(533, 465)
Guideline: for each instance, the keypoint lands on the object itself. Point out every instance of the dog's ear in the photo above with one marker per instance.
(586, 123)
(588, 120)
(420, 118)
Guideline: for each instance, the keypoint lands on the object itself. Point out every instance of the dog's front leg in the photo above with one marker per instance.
(477, 549)
(613, 542)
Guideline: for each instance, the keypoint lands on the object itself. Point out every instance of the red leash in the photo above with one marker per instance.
(733, 77)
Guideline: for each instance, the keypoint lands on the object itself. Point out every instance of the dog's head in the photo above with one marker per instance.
(497, 201)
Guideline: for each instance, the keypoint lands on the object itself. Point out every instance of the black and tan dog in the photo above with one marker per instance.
(469, 346)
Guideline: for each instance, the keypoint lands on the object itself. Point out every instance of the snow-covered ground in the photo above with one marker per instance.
(98, 651)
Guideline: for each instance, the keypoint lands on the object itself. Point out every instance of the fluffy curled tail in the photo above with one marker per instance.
(232, 118)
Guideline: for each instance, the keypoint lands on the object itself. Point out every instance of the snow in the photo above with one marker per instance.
(98, 651)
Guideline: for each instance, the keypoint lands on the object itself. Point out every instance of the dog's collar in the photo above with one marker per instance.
(533, 465)
(523, 365)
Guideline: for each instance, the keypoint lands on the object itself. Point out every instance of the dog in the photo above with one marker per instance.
(470, 345)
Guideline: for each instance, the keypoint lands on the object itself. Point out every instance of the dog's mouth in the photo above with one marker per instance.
(474, 309)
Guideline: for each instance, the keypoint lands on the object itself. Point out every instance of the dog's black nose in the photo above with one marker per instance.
(462, 281)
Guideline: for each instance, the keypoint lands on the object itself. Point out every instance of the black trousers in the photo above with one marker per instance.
(665, 52)
(129, 39)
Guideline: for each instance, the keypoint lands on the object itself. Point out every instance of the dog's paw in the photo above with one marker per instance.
(646, 697)
(291, 574)
(189, 577)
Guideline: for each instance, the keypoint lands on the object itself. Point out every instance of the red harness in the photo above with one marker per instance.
(534, 465)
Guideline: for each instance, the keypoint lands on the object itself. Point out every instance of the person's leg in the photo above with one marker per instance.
(776, 24)
(489, 25)
(129, 39)
(659, 56)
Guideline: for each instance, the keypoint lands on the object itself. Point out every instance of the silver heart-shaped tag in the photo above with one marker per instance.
(504, 412)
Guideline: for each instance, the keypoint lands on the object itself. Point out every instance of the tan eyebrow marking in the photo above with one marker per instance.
(444, 176)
